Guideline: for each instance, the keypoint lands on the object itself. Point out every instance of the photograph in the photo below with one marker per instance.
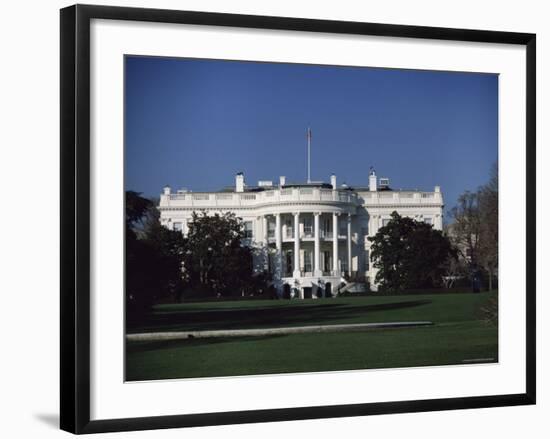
(299, 218)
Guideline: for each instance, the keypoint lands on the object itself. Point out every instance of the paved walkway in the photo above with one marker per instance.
(179, 335)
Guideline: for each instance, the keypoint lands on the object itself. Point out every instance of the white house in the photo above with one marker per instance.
(311, 237)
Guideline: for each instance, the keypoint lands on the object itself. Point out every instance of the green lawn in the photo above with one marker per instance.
(457, 335)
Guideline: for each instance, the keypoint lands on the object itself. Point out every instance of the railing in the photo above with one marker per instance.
(398, 197)
(289, 235)
(309, 273)
(236, 199)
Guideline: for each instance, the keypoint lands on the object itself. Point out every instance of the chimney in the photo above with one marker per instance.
(372, 180)
(166, 190)
(333, 181)
(239, 182)
(437, 189)
(282, 180)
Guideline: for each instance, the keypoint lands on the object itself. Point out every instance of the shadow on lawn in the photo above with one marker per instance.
(149, 346)
(243, 318)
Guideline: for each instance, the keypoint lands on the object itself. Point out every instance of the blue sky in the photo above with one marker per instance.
(195, 123)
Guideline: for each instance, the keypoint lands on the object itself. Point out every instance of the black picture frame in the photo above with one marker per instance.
(75, 217)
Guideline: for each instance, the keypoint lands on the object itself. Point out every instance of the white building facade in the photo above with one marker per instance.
(311, 237)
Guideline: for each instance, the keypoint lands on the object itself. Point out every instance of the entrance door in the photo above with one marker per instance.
(288, 263)
(307, 292)
(328, 289)
(327, 261)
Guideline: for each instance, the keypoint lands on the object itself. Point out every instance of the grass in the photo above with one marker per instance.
(458, 334)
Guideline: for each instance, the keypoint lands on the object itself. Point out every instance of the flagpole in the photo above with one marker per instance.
(309, 155)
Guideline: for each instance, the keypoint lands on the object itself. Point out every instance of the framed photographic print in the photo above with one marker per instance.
(304, 218)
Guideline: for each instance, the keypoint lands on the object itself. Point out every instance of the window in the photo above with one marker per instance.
(343, 265)
(289, 262)
(327, 227)
(307, 261)
(429, 221)
(308, 229)
(271, 229)
(385, 221)
(178, 227)
(248, 229)
(289, 228)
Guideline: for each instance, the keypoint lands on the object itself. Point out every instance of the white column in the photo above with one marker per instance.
(185, 227)
(438, 222)
(349, 244)
(265, 242)
(279, 245)
(335, 244)
(264, 229)
(317, 268)
(296, 245)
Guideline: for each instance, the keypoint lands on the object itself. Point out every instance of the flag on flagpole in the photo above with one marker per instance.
(308, 154)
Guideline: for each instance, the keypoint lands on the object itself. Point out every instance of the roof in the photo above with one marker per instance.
(321, 185)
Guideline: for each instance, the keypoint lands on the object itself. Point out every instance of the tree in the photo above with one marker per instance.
(466, 228)
(488, 205)
(153, 256)
(138, 255)
(474, 231)
(455, 269)
(167, 247)
(409, 254)
(216, 261)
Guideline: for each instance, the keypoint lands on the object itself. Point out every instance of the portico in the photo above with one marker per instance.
(294, 228)
(304, 247)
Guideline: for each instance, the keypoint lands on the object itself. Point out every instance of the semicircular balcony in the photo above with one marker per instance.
(273, 199)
